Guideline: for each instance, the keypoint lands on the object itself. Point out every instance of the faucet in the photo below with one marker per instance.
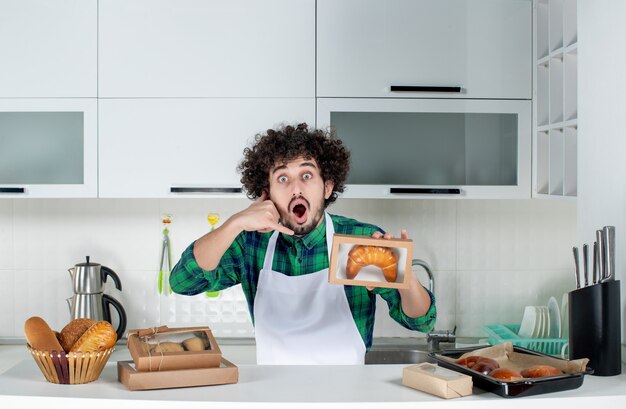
(434, 337)
(431, 278)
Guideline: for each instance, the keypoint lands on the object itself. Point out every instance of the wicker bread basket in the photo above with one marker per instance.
(71, 368)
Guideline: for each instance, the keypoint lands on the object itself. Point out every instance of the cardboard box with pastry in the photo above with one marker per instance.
(165, 349)
(366, 261)
(174, 358)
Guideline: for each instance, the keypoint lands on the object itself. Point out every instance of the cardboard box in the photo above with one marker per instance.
(135, 380)
(369, 275)
(433, 379)
(164, 349)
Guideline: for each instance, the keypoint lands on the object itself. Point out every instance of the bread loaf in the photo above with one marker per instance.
(73, 331)
(40, 336)
(98, 337)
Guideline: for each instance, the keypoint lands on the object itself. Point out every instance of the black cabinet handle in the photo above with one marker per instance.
(425, 191)
(424, 88)
(176, 189)
(12, 190)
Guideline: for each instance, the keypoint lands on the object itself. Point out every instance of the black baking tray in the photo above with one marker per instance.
(514, 389)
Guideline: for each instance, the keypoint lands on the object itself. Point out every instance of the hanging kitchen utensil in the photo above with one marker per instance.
(213, 219)
(166, 256)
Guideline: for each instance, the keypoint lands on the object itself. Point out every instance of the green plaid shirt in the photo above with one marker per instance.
(293, 256)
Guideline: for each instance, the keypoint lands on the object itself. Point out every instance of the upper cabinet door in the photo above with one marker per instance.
(48, 48)
(483, 47)
(184, 147)
(48, 147)
(199, 48)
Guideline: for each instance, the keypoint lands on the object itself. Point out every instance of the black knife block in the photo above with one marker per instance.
(595, 327)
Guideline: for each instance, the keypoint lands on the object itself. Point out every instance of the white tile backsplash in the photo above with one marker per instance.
(490, 257)
(6, 234)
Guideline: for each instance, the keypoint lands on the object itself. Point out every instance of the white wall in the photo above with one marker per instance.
(601, 127)
(491, 257)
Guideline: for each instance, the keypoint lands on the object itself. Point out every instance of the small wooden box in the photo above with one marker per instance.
(369, 275)
(135, 380)
(142, 344)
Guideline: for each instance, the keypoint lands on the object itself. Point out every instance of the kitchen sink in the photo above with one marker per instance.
(401, 351)
(396, 356)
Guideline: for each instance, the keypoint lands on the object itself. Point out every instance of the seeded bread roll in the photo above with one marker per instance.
(73, 331)
(98, 337)
(40, 336)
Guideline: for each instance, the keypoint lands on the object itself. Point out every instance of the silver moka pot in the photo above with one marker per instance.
(89, 300)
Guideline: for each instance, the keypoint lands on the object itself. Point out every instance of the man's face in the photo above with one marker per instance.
(298, 192)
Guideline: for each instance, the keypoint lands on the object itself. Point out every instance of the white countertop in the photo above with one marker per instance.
(368, 386)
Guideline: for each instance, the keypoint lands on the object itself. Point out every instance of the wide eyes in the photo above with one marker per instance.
(285, 179)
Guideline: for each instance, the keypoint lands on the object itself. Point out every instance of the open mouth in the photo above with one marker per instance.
(299, 209)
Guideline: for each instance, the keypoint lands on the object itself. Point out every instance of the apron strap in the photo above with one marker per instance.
(271, 245)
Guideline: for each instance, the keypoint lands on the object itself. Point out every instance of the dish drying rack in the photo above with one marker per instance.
(500, 333)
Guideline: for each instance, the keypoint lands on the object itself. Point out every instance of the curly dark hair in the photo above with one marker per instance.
(279, 146)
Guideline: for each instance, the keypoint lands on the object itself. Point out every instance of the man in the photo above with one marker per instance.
(278, 250)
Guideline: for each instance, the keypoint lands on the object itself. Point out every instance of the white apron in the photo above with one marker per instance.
(304, 320)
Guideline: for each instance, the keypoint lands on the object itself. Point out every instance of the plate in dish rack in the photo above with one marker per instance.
(529, 321)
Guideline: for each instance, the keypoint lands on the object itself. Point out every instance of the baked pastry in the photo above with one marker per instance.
(168, 347)
(485, 365)
(98, 337)
(195, 344)
(469, 361)
(40, 336)
(381, 257)
(73, 331)
(538, 371)
(505, 374)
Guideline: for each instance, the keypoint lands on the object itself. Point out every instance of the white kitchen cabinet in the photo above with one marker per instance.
(48, 147)
(433, 148)
(159, 148)
(199, 48)
(48, 48)
(484, 47)
(555, 123)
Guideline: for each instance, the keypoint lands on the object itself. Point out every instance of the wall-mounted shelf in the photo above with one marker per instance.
(555, 94)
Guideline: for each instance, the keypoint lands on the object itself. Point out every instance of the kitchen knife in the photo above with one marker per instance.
(601, 258)
(586, 263)
(576, 266)
(596, 277)
(609, 247)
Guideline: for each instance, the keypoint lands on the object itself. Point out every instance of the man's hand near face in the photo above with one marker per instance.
(261, 216)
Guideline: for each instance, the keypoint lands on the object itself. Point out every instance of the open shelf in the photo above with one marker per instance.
(555, 98)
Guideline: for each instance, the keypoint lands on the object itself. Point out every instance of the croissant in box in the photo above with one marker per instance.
(381, 257)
